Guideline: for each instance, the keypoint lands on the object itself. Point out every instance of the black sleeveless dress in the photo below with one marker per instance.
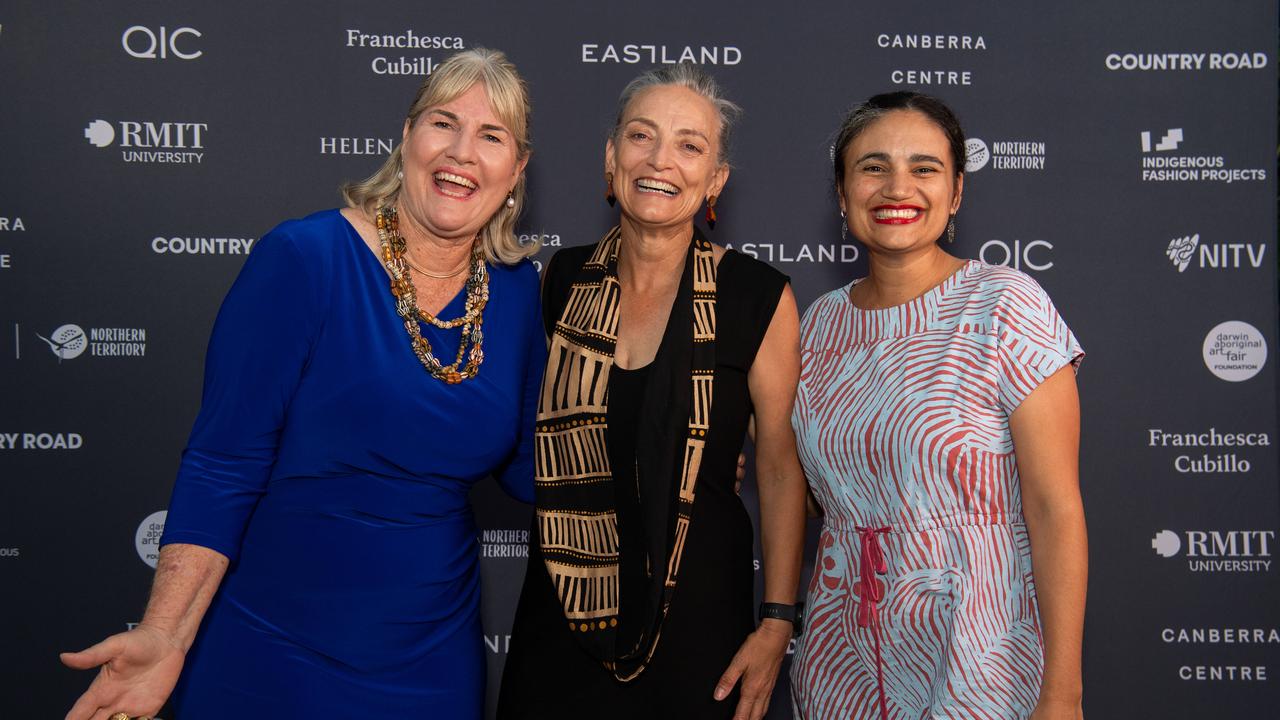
(547, 674)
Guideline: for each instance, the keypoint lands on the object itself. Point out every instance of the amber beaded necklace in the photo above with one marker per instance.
(406, 295)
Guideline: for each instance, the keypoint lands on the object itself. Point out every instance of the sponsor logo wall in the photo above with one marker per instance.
(1127, 166)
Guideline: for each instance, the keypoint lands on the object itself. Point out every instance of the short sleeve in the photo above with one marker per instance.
(1033, 340)
(812, 322)
(257, 353)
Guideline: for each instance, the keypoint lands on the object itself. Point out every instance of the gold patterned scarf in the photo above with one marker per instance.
(574, 491)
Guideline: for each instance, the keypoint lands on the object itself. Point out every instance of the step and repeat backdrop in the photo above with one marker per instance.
(1122, 154)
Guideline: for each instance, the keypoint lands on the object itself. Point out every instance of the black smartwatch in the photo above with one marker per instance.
(793, 614)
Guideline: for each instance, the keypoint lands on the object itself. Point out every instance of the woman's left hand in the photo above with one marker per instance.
(1057, 710)
(756, 665)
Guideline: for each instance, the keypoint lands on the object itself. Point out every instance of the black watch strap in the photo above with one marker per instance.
(793, 614)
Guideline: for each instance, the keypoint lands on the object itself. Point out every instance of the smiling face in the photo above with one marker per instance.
(900, 184)
(665, 158)
(460, 161)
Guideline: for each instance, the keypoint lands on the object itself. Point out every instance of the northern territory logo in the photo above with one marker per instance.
(68, 342)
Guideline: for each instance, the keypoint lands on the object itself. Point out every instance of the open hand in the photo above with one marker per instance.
(139, 669)
(756, 664)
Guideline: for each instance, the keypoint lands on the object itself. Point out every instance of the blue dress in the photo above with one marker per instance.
(334, 473)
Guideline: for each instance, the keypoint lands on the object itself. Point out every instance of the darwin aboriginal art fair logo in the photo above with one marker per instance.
(150, 142)
(70, 341)
(1162, 162)
(147, 539)
(1003, 155)
(403, 52)
(1235, 351)
(1217, 550)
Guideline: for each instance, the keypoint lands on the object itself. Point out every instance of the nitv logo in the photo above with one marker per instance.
(1183, 251)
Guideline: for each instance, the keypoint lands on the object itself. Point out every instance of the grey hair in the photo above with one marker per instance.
(691, 77)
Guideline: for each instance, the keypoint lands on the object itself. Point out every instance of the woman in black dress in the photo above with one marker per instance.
(637, 600)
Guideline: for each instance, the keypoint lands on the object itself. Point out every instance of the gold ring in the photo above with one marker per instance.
(119, 716)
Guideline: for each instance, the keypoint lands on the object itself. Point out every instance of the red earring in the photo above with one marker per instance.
(608, 189)
(711, 212)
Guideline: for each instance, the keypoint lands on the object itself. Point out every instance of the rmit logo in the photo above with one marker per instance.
(1215, 543)
(1168, 142)
(166, 135)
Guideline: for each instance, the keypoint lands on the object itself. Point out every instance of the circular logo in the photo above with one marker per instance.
(67, 342)
(100, 133)
(976, 155)
(1235, 351)
(1166, 543)
(147, 539)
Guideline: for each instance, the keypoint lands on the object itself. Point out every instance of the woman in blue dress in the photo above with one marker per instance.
(319, 558)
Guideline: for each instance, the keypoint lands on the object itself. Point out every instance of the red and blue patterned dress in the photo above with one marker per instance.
(923, 602)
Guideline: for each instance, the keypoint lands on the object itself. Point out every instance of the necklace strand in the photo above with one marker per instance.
(438, 276)
(406, 295)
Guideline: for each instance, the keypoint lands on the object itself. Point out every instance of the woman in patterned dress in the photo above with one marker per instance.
(938, 424)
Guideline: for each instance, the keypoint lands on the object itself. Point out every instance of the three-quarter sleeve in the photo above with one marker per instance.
(516, 476)
(1034, 341)
(257, 354)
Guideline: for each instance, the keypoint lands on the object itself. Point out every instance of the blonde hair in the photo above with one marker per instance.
(509, 97)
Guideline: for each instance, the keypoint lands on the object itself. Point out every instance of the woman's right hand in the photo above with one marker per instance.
(139, 669)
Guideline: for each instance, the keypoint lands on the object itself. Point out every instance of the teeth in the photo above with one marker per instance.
(895, 213)
(455, 179)
(657, 185)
